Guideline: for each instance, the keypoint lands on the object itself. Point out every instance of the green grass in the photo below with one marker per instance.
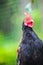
(8, 53)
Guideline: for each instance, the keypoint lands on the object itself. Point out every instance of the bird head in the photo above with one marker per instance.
(28, 21)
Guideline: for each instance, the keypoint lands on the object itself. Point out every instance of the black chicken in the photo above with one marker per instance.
(30, 51)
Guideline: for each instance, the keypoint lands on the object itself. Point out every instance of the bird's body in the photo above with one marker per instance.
(30, 49)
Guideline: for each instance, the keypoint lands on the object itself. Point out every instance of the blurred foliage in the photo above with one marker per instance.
(7, 9)
(8, 54)
(36, 4)
(37, 20)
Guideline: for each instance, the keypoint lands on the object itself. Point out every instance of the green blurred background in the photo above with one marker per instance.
(11, 18)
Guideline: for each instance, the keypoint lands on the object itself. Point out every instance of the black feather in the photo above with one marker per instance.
(31, 48)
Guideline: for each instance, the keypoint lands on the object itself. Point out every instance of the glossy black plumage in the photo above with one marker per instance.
(31, 48)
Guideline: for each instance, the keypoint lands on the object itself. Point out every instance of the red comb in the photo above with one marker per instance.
(28, 21)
